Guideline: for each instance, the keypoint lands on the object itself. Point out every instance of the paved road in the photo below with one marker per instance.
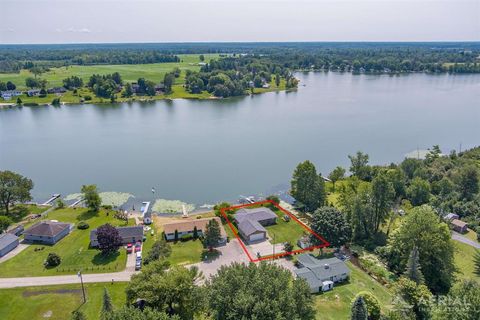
(457, 236)
(53, 280)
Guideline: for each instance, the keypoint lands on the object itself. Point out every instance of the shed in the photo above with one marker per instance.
(459, 226)
(8, 242)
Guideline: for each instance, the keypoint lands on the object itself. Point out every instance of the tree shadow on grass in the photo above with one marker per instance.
(101, 259)
(87, 215)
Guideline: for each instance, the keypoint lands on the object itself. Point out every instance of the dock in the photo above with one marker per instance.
(145, 207)
(76, 203)
(53, 198)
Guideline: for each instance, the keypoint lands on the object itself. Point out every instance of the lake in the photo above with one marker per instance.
(206, 151)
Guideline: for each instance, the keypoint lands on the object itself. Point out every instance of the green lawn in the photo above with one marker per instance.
(285, 231)
(57, 302)
(464, 254)
(20, 211)
(187, 252)
(73, 249)
(129, 72)
(472, 235)
(336, 304)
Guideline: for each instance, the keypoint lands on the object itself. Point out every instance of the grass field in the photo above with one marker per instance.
(129, 72)
(285, 231)
(57, 302)
(73, 249)
(186, 252)
(464, 254)
(336, 304)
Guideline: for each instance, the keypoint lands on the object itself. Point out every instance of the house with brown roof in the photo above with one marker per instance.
(459, 226)
(47, 232)
(187, 227)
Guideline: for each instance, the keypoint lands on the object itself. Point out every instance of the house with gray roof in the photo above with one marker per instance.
(8, 242)
(321, 274)
(128, 235)
(251, 223)
(47, 232)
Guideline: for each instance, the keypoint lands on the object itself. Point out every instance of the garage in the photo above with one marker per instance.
(258, 236)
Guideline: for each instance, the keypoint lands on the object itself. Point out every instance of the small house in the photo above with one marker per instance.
(47, 232)
(459, 226)
(450, 216)
(8, 242)
(128, 235)
(187, 227)
(321, 274)
(33, 92)
(251, 223)
(57, 90)
(9, 94)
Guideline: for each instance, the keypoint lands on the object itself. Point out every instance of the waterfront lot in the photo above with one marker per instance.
(73, 249)
(284, 231)
(57, 302)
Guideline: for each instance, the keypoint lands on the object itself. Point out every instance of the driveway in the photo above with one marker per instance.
(264, 248)
(458, 237)
(14, 252)
(231, 252)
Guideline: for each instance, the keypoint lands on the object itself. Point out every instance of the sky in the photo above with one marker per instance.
(98, 21)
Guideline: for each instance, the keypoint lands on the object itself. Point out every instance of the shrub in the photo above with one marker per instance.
(82, 225)
(87, 98)
(56, 102)
(373, 306)
(53, 260)
(186, 237)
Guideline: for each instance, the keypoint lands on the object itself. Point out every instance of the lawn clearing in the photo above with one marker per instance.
(464, 254)
(284, 231)
(73, 249)
(336, 304)
(186, 252)
(57, 302)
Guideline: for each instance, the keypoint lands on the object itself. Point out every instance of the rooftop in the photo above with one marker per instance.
(189, 225)
(47, 228)
(249, 227)
(257, 214)
(317, 270)
(6, 239)
(459, 223)
(125, 232)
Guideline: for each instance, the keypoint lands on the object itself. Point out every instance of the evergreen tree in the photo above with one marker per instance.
(413, 270)
(107, 306)
(212, 233)
(476, 260)
(359, 309)
(78, 315)
(195, 232)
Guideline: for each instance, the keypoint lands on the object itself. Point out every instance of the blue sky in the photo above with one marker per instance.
(74, 21)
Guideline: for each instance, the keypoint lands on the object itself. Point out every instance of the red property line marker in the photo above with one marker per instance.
(324, 243)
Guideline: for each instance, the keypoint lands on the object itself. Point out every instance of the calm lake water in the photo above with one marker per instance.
(205, 151)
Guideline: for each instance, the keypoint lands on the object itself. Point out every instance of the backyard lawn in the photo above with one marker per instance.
(57, 302)
(186, 252)
(464, 254)
(336, 304)
(73, 249)
(285, 231)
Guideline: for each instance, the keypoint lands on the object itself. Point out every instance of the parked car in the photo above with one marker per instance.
(138, 265)
(138, 247)
(129, 248)
(139, 256)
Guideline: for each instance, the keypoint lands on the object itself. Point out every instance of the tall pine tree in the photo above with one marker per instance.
(413, 270)
(359, 310)
(476, 260)
(107, 306)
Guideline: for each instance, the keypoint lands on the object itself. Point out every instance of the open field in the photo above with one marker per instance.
(129, 72)
(336, 304)
(57, 302)
(73, 249)
(464, 254)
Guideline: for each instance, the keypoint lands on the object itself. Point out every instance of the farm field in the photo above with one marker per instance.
(73, 249)
(57, 302)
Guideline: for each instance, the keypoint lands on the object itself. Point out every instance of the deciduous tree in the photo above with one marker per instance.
(91, 196)
(308, 187)
(332, 225)
(108, 238)
(14, 188)
(337, 174)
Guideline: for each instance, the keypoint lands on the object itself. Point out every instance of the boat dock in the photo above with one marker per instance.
(145, 207)
(76, 203)
(53, 198)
